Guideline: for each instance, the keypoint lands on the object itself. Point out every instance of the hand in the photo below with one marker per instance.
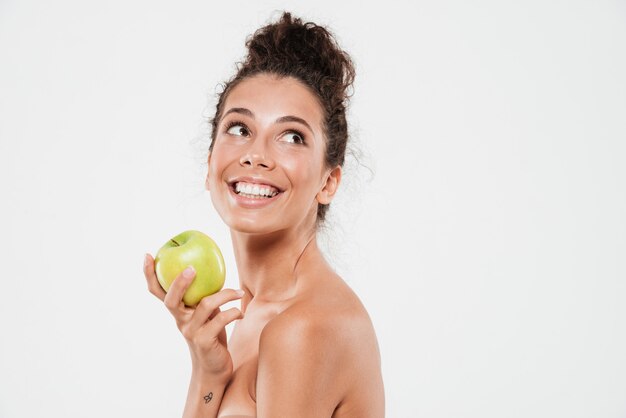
(203, 326)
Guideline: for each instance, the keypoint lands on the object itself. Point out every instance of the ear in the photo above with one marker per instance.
(206, 181)
(331, 185)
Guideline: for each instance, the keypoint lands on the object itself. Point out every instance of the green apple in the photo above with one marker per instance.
(191, 248)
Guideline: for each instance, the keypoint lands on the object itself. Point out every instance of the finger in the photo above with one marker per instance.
(222, 337)
(174, 298)
(208, 308)
(153, 284)
(215, 312)
(217, 324)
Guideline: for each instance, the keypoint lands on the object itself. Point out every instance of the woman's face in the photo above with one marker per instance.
(266, 169)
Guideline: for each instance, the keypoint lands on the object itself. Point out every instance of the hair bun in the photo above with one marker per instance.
(307, 51)
(310, 54)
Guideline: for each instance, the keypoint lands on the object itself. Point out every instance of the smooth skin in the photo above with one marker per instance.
(303, 345)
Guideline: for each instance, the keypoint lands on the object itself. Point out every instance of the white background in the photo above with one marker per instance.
(488, 246)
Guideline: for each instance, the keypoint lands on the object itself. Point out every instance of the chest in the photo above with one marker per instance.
(243, 345)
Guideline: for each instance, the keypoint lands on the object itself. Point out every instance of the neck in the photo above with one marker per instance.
(268, 264)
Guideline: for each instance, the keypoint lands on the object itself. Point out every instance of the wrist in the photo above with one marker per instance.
(202, 374)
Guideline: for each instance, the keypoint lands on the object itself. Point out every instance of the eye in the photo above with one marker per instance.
(294, 137)
(238, 129)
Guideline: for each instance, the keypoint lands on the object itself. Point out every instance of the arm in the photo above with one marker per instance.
(299, 369)
(203, 327)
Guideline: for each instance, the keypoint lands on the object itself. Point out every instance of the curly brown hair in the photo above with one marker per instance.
(310, 54)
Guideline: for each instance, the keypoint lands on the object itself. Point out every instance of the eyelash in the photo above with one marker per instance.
(300, 134)
(243, 125)
(236, 123)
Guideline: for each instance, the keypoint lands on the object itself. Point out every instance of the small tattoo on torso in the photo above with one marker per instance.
(208, 397)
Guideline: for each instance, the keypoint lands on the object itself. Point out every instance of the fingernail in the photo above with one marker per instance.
(145, 259)
(189, 272)
(240, 293)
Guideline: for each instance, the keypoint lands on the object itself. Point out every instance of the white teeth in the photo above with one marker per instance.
(255, 189)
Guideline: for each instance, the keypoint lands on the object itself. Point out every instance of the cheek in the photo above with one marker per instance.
(304, 174)
(221, 156)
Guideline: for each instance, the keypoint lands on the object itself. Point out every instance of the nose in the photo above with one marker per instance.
(256, 155)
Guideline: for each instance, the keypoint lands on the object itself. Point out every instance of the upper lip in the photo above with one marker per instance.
(254, 180)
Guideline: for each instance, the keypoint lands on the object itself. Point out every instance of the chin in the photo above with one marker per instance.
(248, 225)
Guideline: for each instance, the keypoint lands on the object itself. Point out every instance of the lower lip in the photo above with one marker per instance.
(252, 203)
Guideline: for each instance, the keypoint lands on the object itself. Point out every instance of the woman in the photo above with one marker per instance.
(304, 345)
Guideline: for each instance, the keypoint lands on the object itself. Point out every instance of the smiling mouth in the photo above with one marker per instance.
(254, 190)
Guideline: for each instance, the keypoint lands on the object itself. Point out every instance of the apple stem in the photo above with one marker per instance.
(177, 244)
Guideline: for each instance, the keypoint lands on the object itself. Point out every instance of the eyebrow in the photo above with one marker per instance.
(282, 119)
(241, 110)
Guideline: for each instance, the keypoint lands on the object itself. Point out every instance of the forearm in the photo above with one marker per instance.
(204, 396)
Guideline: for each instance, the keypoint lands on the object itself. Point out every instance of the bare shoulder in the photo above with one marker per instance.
(326, 340)
(330, 313)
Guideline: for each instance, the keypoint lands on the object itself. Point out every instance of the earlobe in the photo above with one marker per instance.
(325, 196)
